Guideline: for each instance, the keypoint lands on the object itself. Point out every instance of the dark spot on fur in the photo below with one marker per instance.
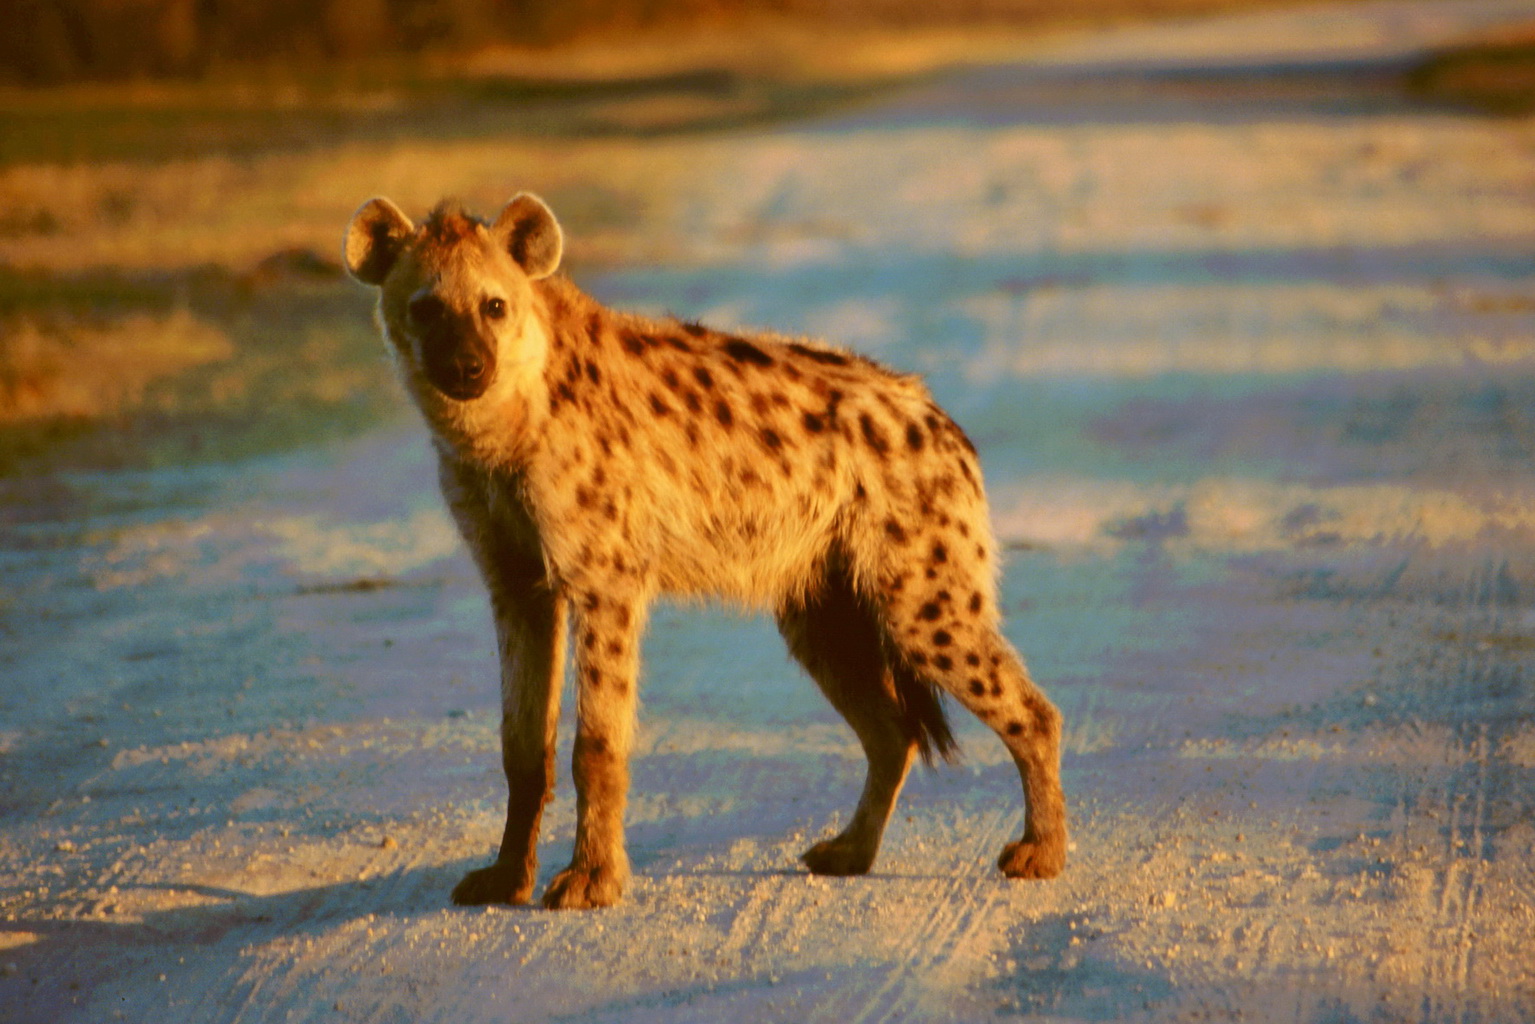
(894, 531)
(833, 399)
(704, 378)
(977, 688)
(594, 374)
(940, 553)
(813, 423)
(669, 378)
(980, 552)
(592, 602)
(930, 612)
(678, 344)
(964, 467)
(872, 435)
(695, 328)
(583, 497)
(743, 351)
(616, 648)
(941, 638)
(771, 439)
(914, 437)
(691, 400)
(996, 688)
(944, 662)
(723, 414)
(1015, 728)
(975, 602)
(973, 660)
(634, 343)
(659, 407)
(918, 659)
(819, 355)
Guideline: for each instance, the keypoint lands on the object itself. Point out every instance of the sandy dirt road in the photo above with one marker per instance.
(1247, 343)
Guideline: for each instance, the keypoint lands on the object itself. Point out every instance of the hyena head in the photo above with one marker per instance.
(455, 296)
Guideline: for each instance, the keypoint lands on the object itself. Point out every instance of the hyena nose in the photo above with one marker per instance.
(469, 367)
(461, 375)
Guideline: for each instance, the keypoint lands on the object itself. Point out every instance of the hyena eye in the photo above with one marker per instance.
(494, 309)
(426, 310)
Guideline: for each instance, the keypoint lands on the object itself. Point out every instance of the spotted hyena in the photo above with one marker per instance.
(594, 460)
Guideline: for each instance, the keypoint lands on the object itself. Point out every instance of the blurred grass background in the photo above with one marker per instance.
(63, 40)
(175, 174)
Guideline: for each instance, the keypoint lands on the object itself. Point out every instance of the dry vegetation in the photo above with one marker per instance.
(167, 283)
(1496, 74)
(112, 39)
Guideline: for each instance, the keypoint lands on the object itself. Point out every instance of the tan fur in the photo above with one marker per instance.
(605, 459)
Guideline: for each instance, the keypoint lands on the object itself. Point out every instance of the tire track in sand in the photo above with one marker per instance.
(961, 904)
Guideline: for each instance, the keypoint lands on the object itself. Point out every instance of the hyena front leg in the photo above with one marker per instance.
(530, 634)
(530, 630)
(607, 631)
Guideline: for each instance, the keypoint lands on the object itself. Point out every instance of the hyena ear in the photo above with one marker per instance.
(529, 232)
(374, 240)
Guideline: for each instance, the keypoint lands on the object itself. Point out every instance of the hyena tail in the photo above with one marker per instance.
(922, 714)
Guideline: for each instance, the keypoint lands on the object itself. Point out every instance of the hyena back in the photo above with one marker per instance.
(594, 460)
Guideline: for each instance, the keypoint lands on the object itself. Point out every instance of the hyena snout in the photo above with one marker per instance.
(462, 372)
(456, 359)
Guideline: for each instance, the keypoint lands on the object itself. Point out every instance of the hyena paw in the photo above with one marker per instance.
(582, 888)
(838, 856)
(1032, 858)
(499, 883)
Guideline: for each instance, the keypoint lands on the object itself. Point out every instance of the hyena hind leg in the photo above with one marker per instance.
(965, 655)
(836, 637)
